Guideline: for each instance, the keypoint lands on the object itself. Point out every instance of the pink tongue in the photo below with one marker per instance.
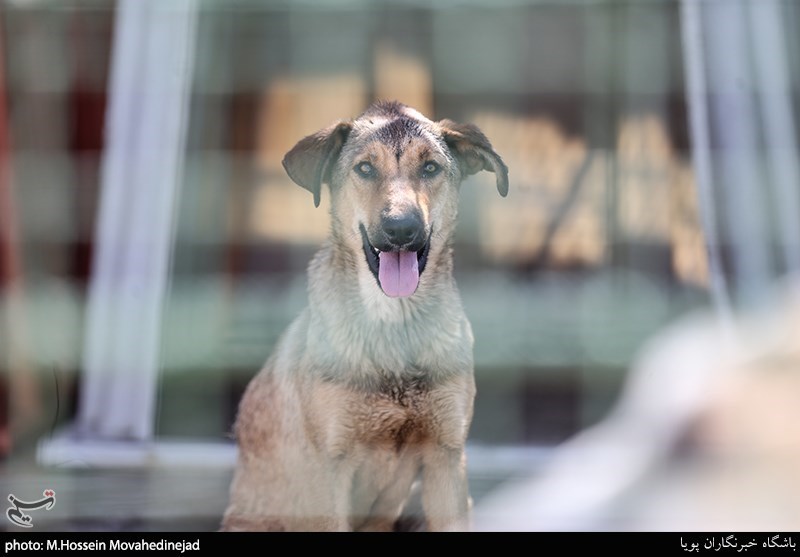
(398, 273)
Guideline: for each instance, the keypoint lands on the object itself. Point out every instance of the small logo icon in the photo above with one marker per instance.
(16, 515)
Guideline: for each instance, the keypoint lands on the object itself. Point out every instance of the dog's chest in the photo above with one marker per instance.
(394, 416)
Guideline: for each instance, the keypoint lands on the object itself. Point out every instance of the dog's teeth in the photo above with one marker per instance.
(376, 251)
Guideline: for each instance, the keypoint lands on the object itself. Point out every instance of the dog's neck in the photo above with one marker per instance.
(397, 335)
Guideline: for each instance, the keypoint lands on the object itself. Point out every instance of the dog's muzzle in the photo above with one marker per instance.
(397, 269)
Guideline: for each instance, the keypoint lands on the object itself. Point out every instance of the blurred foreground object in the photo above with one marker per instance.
(706, 436)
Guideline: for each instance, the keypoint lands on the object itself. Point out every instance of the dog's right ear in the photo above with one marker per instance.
(310, 162)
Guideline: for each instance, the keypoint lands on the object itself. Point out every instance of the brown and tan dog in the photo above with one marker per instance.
(372, 385)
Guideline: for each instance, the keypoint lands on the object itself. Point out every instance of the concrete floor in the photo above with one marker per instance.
(178, 499)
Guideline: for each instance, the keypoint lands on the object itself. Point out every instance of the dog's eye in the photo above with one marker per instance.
(430, 169)
(365, 170)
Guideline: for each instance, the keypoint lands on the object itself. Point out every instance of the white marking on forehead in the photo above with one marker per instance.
(412, 113)
(368, 123)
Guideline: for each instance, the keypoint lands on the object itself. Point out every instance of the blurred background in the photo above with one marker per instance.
(152, 248)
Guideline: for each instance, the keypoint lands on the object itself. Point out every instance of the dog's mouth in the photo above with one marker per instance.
(397, 271)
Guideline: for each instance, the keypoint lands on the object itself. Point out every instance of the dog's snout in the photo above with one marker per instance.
(403, 230)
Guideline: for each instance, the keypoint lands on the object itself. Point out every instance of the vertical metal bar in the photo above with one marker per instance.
(697, 99)
(776, 111)
(735, 143)
(151, 74)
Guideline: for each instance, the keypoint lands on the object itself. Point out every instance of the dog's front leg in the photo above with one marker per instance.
(337, 505)
(445, 494)
(390, 503)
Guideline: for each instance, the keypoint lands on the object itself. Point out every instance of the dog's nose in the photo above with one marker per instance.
(402, 230)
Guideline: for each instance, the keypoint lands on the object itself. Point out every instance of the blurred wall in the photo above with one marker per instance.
(598, 245)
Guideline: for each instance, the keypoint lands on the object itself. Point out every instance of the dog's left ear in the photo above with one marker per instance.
(310, 162)
(474, 151)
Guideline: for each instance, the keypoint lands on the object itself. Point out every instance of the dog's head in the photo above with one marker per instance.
(394, 177)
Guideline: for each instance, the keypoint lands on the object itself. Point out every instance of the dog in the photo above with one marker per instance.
(371, 388)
